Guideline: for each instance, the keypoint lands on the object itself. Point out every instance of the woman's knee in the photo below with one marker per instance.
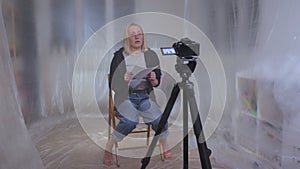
(132, 125)
(155, 125)
(124, 127)
(128, 123)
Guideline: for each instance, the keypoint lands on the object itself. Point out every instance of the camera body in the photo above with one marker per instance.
(185, 48)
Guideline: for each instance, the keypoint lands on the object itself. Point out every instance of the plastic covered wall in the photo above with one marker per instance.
(56, 32)
(15, 140)
(255, 38)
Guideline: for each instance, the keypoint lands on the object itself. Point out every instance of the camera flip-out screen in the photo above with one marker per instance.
(168, 51)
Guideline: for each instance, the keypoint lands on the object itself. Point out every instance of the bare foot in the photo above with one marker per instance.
(168, 154)
(108, 158)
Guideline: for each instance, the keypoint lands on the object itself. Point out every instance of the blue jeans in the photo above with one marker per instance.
(138, 104)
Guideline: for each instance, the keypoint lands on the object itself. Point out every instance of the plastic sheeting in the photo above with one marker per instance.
(258, 38)
(15, 140)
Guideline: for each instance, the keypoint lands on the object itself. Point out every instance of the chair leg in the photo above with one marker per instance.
(161, 152)
(148, 135)
(117, 155)
(109, 126)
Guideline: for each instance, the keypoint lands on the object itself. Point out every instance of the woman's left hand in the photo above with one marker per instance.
(152, 78)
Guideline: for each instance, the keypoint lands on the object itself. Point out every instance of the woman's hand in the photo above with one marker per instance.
(152, 78)
(127, 76)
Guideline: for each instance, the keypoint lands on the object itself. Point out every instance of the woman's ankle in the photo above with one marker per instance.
(109, 145)
(164, 144)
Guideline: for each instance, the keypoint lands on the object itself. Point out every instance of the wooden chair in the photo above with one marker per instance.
(113, 116)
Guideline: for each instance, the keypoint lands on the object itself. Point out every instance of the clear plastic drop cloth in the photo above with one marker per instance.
(16, 149)
(55, 57)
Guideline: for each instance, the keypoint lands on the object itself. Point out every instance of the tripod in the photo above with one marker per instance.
(185, 67)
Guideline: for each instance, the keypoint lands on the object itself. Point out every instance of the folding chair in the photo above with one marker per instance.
(112, 116)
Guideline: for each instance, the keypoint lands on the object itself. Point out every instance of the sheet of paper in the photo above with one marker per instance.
(141, 72)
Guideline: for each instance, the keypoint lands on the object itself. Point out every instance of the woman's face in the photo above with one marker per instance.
(136, 37)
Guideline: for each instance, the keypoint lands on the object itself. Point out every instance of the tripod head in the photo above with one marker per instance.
(185, 66)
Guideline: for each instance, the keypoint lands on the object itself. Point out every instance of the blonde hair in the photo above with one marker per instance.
(126, 44)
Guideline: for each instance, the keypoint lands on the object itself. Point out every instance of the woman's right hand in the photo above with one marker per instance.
(127, 76)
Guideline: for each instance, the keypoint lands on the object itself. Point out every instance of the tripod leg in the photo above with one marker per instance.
(204, 152)
(161, 125)
(185, 132)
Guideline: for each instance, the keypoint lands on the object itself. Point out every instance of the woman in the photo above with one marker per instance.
(134, 97)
